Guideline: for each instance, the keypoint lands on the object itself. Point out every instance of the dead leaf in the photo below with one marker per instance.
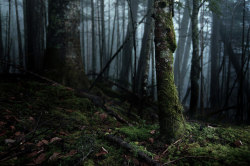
(7, 117)
(69, 111)
(55, 156)
(103, 116)
(8, 111)
(157, 158)
(63, 133)
(18, 120)
(12, 128)
(102, 152)
(97, 113)
(40, 159)
(2, 123)
(82, 127)
(238, 143)
(55, 139)
(151, 140)
(152, 132)
(39, 144)
(45, 142)
(30, 155)
(143, 164)
(12, 98)
(31, 119)
(18, 133)
(9, 141)
(3, 133)
(71, 153)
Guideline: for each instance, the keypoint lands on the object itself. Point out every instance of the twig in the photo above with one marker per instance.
(84, 157)
(165, 151)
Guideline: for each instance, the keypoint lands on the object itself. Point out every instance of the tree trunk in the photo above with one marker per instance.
(184, 65)
(142, 72)
(104, 45)
(128, 48)
(34, 34)
(63, 57)
(170, 110)
(214, 86)
(181, 45)
(93, 37)
(195, 66)
(1, 40)
(20, 43)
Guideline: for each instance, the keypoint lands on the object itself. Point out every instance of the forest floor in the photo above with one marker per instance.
(48, 124)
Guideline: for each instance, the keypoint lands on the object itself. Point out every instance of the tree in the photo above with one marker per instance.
(128, 48)
(34, 27)
(104, 55)
(183, 32)
(214, 86)
(20, 43)
(93, 37)
(143, 65)
(195, 66)
(63, 55)
(1, 39)
(170, 111)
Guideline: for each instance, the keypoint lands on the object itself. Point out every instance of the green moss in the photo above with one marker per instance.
(89, 162)
(114, 156)
(143, 149)
(136, 132)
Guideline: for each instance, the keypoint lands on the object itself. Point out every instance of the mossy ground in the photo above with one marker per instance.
(33, 114)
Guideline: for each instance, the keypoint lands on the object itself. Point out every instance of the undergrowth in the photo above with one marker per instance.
(47, 124)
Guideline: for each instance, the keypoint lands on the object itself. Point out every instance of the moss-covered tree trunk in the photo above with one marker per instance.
(170, 110)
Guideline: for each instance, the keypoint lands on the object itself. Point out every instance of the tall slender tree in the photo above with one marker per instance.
(93, 37)
(104, 54)
(34, 20)
(143, 65)
(1, 38)
(183, 32)
(128, 48)
(19, 36)
(214, 86)
(195, 66)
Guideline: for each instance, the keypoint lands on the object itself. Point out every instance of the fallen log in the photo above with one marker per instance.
(130, 148)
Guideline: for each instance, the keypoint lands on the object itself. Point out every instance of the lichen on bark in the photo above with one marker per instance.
(170, 110)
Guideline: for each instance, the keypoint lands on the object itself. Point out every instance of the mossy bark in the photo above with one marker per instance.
(170, 110)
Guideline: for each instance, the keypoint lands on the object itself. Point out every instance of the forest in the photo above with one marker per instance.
(125, 82)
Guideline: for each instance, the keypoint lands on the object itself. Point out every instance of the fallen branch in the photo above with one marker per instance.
(130, 148)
